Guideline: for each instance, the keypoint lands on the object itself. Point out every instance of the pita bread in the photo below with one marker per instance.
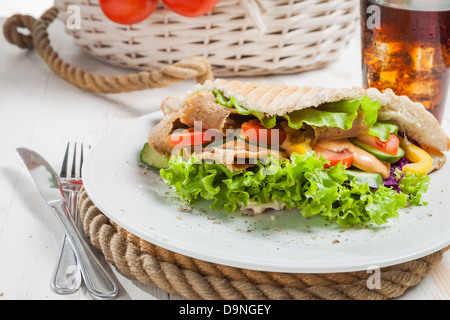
(412, 118)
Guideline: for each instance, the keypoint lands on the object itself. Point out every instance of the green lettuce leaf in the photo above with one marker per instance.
(343, 106)
(414, 185)
(319, 118)
(339, 114)
(268, 122)
(383, 130)
(301, 182)
(370, 110)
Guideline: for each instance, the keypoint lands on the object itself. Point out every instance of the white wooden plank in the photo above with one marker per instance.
(41, 111)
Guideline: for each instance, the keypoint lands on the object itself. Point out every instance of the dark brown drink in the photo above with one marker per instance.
(408, 49)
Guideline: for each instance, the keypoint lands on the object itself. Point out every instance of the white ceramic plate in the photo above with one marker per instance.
(283, 241)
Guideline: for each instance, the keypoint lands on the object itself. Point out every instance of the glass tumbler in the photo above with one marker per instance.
(406, 47)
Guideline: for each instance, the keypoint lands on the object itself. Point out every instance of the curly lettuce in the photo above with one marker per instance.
(301, 182)
(339, 114)
(383, 130)
(268, 122)
(414, 185)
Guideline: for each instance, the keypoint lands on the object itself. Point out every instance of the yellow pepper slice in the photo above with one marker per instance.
(300, 148)
(421, 160)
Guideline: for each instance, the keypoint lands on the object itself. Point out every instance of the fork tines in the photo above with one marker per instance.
(76, 153)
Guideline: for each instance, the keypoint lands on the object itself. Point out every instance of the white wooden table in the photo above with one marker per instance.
(40, 111)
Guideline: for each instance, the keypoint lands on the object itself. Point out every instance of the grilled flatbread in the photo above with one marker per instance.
(411, 117)
(271, 101)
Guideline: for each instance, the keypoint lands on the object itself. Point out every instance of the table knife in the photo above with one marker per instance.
(98, 282)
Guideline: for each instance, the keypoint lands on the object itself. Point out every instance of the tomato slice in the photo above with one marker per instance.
(128, 12)
(191, 8)
(254, 131)
(346, 157)
(190, 137)
(390, 146)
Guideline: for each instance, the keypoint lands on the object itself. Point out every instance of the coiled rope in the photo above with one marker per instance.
(197, 68)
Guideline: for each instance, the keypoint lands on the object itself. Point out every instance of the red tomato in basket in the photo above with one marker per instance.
(190, 8)
(128, 11)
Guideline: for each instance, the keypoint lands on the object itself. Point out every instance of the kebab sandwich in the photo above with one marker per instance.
(348, 155)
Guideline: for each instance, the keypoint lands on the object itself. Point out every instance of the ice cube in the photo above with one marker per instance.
(423, 92)
(386, 54)
(388, 79)
(379, 53)
(422, 58)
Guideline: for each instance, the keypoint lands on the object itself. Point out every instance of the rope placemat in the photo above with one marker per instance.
(200, 280)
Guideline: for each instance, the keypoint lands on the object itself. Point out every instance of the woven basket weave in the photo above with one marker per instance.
(300, 35)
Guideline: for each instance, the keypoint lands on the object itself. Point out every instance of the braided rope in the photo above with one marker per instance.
(197, 68)
(199, 280)
(10, 30)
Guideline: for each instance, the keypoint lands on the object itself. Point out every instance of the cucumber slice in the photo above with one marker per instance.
(217, 143)
(238, 135)
(152, 158)
(375, 180)
(378, 153)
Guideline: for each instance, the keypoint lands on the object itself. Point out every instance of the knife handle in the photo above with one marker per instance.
(67, 278)
(98, 282)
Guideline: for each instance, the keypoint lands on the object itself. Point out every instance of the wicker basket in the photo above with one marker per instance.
(300, 35)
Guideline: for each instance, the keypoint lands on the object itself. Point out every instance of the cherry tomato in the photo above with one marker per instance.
(346, 157)
(256, 132)
(390, 146)
(190, 8)
(128, 11)
(190, 137)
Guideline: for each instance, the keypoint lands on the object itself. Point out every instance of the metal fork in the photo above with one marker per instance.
(67, 277)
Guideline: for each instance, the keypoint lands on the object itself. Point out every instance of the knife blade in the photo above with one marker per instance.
(98, 282)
